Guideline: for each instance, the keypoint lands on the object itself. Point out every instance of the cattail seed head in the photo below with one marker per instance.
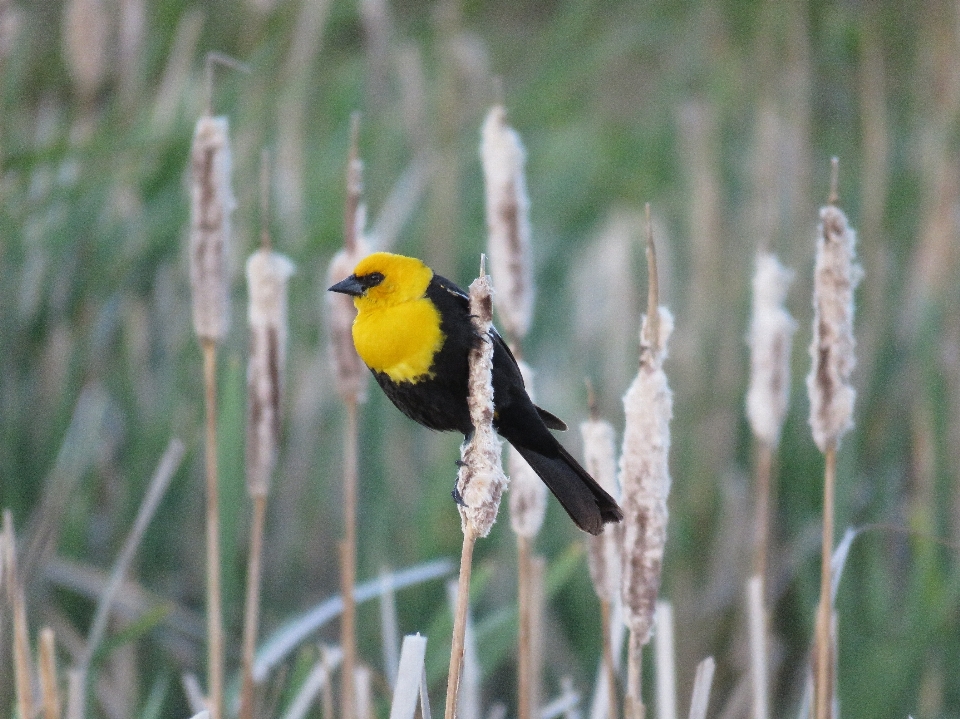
(212, 202)
(645, 478)
(481, 480)
(836, 275)
(770, 339)
(604, 550)
(350, 371)
(528, 493)
(267, 275)
(508, 222)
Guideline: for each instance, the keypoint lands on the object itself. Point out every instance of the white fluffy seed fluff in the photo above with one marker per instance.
(528, 493)
(645, 479)
(508, 222)
(481, 480)
(267, 275)
(836, 276)
(604, 551)
(211, 203)
(770, 339)
(350, 372)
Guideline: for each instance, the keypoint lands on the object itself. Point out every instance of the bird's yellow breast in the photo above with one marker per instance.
(399, 340)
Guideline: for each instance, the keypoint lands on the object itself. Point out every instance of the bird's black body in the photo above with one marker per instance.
(439, 402)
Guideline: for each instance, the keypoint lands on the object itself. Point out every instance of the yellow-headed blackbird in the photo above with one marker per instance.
(413, 331)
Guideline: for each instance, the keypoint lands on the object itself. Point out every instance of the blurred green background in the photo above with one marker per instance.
(723, 115)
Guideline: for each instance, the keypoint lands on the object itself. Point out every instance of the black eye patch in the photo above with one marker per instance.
(371, 280)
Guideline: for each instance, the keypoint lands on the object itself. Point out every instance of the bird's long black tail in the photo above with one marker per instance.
(588, 505)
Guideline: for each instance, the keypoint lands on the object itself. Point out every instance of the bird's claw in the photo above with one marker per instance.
(457, 497)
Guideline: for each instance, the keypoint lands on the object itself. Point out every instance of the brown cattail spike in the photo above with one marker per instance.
(267, 275)
(832, 350)
(508, 222)
(481, 481)
(212, 203)
(770, 339)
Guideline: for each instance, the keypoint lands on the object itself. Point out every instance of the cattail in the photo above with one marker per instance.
(267, 275)
(508, 223)
(604, 551)
(86, 30)
(771, 338)
(836, 275)
(481, 481)
(599, 452)
(645, 478)
(212, 202)
(528, 493)
(350, 371)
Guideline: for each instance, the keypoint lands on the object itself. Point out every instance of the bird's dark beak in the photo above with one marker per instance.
(349, 286)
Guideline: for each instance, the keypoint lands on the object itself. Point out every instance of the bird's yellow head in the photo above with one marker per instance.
(384, 279)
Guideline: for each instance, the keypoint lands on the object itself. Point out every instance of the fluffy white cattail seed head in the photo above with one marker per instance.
(528, 493)
(645, 479)
(836, 275)
(267, 275)
(770, 339)
(211, 203)
(508, 222)
(604, 550)
(351, 373)
(481, 480)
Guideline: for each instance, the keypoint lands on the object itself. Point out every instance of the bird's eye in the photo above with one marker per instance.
(373, 279)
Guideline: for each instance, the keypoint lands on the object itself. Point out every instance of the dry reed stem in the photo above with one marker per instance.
(22, 660)
(407, 690)
(609, 668)
(765, 492)
(251, 611)
(700, 698)
(460, 621)
(524, 658)
(632, 701)
(388, 628)
(214, 599)
(824, 677)
(348, 563)
(665, 663)
(757, 630)
(49, 689)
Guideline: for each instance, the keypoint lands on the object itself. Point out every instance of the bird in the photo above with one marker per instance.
(414, 332)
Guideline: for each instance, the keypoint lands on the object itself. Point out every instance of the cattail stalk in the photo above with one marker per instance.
(768, 396)
(480, 480)
(757, 632)
(604, 550)
(351, 384)
(22, 660)
(645, 478)
(508, 245)
(47, 661)
(770, 339)
(836, 275)
(212, 202)
(267, 276)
